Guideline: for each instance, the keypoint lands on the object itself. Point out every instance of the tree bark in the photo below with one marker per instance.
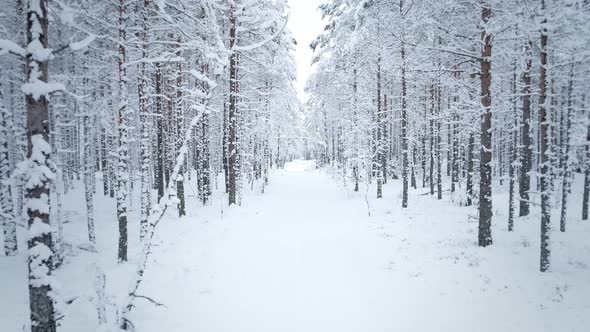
(404, 131)
(565, 145)
(524, 182)
(145, 153)
(122, 164)
(545, 199)
(485, 185)
(37, 192)
(586, 194)
(232, 116)
(8, 219)
(379, 147)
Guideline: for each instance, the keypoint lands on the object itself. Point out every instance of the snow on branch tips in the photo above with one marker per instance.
(75, 46)
(39, 88)
(254, 46)
(8, 46)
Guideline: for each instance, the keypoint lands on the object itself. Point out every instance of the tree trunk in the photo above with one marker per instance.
(432, 139)
(37, 192)
(379, 147)
(160, 134)
(485, 184)
(586, 194)
(232, 116)
(179, 138)
(524, 182)
(8, 219)
(355, 167)
(565, 145)
(145, 153)
(513, 158)
(123, 148)
(404, 128)
(438, 144)
(88, 179)
(545, 203)
(470, 156)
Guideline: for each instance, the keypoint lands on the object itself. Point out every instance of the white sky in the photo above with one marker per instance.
(305, 23)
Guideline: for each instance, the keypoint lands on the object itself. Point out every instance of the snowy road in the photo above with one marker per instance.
(305, 257)
(299, 258)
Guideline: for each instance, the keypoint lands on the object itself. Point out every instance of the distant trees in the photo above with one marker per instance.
(155, 94)
(465, 124)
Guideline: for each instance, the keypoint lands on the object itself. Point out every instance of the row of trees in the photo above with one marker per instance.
(448, 94)
(142, 93)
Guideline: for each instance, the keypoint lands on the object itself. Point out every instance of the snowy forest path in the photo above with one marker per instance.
(306, 257)
(301, 257)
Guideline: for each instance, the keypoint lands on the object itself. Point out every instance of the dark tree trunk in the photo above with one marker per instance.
(524, 182)
(455, 144)
(8, 219)
(438, 144)
(88, 178)
(160, 134)
(379, 147)
(204, 157)
(485, 184)
(545, 203)
(122, 164)
(470, 156)
(586, 194)
(225, 158)
(143, 119)
(104, 162)
(40, 245)
(513, 158)
(179, 137)
(432, 140)
(404, 128)
(232, 120)
(413, 171)
(355, 167)
(565, 145)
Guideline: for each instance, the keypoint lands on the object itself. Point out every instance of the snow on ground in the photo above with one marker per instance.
(305, 256)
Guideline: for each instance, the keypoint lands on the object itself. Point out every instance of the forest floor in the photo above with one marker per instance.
(305, 256)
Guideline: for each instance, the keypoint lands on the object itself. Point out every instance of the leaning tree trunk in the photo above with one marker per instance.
(37, 188)
(485, 184)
